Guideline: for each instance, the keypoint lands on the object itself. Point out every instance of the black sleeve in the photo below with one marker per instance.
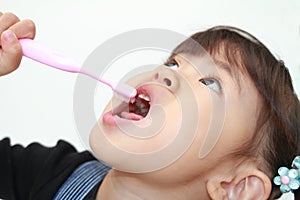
(36, 172)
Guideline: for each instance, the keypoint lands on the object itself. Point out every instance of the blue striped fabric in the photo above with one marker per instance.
(82, 181)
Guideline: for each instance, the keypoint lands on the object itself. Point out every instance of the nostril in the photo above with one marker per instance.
(167, 81)
(156, 76)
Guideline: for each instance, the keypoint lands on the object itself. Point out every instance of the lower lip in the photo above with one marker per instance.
(109, 119)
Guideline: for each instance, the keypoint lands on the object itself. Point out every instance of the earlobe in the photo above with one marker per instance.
(255, 185)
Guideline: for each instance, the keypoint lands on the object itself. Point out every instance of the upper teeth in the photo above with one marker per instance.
(143, 96)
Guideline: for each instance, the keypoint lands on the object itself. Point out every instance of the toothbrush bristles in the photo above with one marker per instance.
(125, 92)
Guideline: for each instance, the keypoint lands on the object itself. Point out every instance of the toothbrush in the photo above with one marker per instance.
(40, 53)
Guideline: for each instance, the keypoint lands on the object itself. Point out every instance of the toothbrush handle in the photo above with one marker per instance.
(45, 55)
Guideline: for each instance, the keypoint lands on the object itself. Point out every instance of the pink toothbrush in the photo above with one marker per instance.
(45, 55)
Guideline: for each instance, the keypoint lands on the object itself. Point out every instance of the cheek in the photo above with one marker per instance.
(203, 142)
(239, 124)
(204, 124)
(212, 114)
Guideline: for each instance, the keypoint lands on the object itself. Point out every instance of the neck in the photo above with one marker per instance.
(122, 186)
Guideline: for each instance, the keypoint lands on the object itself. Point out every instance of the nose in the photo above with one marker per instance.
(167, 78)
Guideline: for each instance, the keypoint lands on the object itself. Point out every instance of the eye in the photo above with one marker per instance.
(172, 64)
(212, 83)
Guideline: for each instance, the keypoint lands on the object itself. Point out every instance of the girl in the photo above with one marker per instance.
(259, 132)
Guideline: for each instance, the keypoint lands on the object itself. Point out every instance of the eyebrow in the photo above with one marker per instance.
(224, 66)
(233, 74)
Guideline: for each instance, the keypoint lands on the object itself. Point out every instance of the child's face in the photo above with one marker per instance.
(197, 108)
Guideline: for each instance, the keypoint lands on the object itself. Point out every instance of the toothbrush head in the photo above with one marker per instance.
(125, 92)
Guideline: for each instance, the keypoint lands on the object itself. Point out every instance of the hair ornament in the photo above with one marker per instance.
(289, 179)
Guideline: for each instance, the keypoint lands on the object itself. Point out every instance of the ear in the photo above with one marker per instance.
(243, 184)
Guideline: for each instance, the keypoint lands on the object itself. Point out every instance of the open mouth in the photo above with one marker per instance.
(136, 109)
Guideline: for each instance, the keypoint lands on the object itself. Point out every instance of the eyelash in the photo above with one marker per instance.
(171, 63)
(216, 79)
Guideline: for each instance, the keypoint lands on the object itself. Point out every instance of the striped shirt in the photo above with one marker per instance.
(82, 181)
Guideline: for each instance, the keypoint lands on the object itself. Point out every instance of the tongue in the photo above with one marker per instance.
(130, 116)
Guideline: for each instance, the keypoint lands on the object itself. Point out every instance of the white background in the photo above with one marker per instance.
(36, 102)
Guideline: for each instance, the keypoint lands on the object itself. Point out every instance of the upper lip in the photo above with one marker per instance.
(143, 90)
